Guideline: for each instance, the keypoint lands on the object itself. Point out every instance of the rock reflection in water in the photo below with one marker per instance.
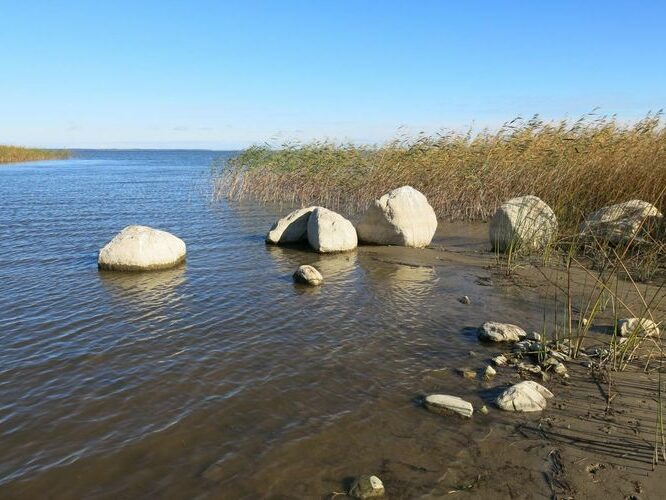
(145, 289)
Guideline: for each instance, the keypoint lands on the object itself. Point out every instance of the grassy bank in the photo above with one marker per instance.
(13, 154)
(575, 166)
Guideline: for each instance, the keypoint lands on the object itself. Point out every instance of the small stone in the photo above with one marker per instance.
(560, 369)
(528, 367)
(526, 346)
(367, 487)
(467, 373)
(642, 327)
(464, 300)
(598, 351)
(308, 275)
(500, 332)
(550, 361)
(533, 336)
(489, 373)
(525, 396)
(500, 360)
(447, 405)
(585, 321)
(483, 410)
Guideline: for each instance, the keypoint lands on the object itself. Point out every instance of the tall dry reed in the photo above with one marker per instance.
(14, 154)
(576, 167)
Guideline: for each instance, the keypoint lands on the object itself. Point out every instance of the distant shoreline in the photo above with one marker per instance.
(16, 154)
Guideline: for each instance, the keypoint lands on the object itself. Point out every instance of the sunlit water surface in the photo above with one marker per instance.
(219, 379)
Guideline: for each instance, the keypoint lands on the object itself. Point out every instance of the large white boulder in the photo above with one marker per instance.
(524, 396)
(400, 217)
(291, 228)
(493, 331)
(525, 223)
(619, 223)
(330, 232)
(642, 327)
(445, 404)
(141, 248)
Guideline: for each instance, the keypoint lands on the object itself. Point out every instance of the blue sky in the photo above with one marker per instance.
(217, 74)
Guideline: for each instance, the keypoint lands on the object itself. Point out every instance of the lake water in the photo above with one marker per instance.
(221, 378)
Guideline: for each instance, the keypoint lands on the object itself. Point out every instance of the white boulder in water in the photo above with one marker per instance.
(141, 248)
(619, 223)
(526, 223)
(500, 332)
(328, 232)
(641, 327)
(291, 228)
(400, 217)
(308, 275)
(444, 404)
(525, 396)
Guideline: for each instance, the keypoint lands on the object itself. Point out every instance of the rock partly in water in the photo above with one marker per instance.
(329, 232)
(525, 223)
(525, 396)
(617, 224)
(500, 360)
(142, 248)
(467, 373)
(641, 327)
(500, 332)
(449, 405)
(291, 228)
(400, 217)
(367, 487)
(464, 300)
(489, 372)
(308, 275)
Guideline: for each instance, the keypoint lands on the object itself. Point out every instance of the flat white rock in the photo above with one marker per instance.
(141, 248)
(500, 332)
(525, 222)
(642, 327)
(525, 396)
(291, 228)
(330, 232)
(401, 217)
(620, 222)
(442, 403)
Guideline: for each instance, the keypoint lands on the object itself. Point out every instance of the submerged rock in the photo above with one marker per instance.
(467, 373)
(367, 487)
(291, 228)
(500, 332)
(526, 223)
(617, 224)
(400, 217)
(142, 248)
(642, 327)
(328, 232)
(489, 372)
(448, 405)
(308, 275)
(525, 396)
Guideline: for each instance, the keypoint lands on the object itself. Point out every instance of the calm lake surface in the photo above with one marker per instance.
(221, 379)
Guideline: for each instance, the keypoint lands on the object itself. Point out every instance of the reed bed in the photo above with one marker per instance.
(574, 166)
(15, 154)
